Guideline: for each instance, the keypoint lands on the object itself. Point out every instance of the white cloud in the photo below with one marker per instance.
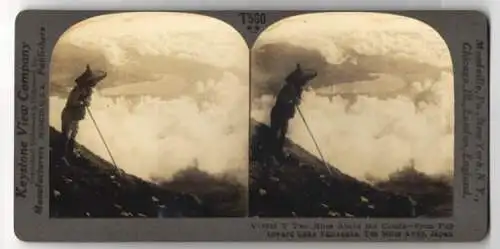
(170, 123)
(365, 33)
(156, 137)
(176, 34)
(372, 135)
(375, 136)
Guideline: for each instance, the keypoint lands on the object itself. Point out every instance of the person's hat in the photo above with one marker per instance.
(90, 77)
(300, 75)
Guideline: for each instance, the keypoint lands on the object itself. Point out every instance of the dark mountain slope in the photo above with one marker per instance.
(433, 192)
(302, 187)
(89, 186)
(223, 196)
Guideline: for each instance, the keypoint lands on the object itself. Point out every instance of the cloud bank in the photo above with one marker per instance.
(174, 97)
(153, 137)
(365, 125)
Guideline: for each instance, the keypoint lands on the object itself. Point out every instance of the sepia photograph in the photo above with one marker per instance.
(251, 125)
(352, 115)
(149, 118)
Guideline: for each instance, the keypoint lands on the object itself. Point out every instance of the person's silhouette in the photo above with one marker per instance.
(76, 104)
(288, 98)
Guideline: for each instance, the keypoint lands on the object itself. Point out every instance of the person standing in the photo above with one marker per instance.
(288, 98)
(76, 105)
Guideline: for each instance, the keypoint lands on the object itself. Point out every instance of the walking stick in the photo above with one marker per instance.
(102, 137)
(314, 140)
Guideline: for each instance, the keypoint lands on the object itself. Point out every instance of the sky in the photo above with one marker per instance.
(383, 98)
(176, 94)
(193, 36)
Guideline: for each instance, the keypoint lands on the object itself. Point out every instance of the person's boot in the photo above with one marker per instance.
(66, 148)
(280, 156)
(70, 151)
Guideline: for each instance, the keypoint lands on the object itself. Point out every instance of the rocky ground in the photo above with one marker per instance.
(89, 186)
(301, 186)
(433, 193)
